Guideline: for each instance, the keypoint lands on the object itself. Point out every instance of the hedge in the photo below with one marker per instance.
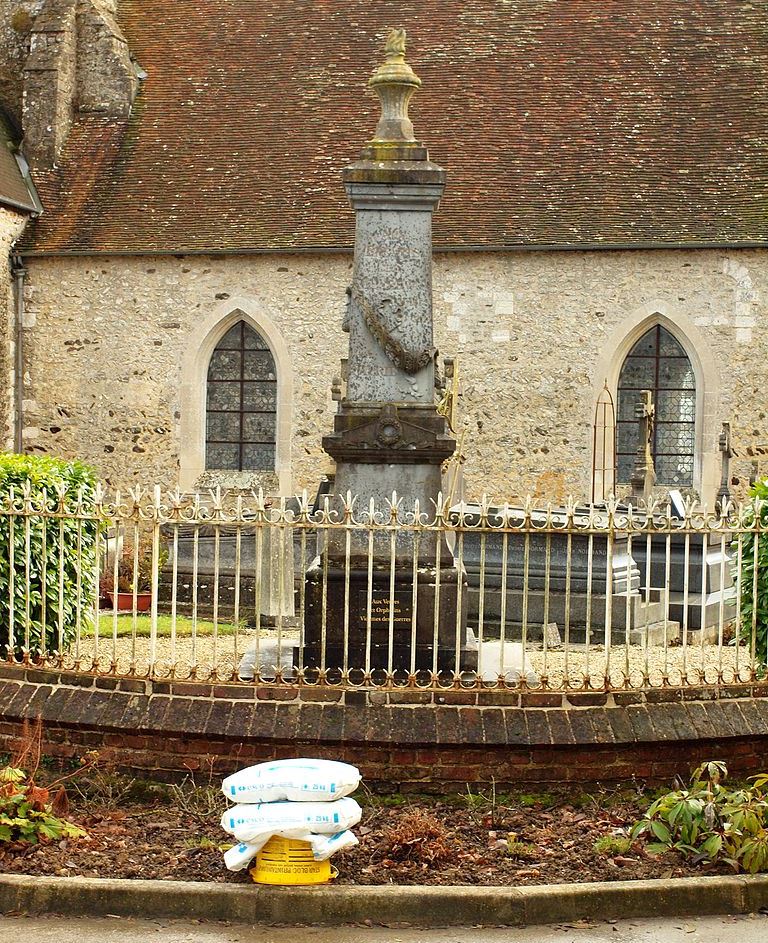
(40, 601)
(755, 603)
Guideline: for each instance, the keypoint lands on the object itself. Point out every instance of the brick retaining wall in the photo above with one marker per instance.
(409, 740)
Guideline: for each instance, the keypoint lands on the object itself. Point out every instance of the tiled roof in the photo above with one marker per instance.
(560, 123)
(14, 191)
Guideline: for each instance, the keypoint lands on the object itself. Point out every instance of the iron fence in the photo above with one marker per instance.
(238, 588)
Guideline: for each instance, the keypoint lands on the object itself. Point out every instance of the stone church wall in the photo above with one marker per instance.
(11, 225)
(536, 334)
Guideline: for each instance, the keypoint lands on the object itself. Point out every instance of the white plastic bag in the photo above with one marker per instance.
(240, 856)
(323, 846)
(297, 780)
(255, 824)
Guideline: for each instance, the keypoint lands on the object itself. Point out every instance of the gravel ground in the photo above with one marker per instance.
(730, 662)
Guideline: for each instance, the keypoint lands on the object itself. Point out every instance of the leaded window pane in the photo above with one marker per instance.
(657, 362)
(673, 470)
(669, 346)
(225, 365)
(626, 437)
(254, 341)
(223, 457)
(232, 340)
(259, 456)
(636, 373)
(676, 375)
(224, 396)
(676, 406)
(625, 462)
(627, 404)
(242, 403)
(674, 438)
(645, 347)
(258, 427)
(223, 427)
(258, 365)
(261, 397)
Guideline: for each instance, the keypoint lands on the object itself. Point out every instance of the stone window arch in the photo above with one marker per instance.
(206, 337)
(658, 362)
(617, 346)
(241, 403)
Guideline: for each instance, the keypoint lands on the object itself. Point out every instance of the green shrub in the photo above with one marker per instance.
(53, 552)
(523, 851)
(26, 813)
(754, 604)
(709, 822)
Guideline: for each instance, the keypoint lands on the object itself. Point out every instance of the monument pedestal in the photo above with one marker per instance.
(404, 633)
(710, 586)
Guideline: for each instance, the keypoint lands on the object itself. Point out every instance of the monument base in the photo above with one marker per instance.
(404, 633)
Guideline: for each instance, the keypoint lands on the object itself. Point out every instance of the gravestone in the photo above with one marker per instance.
(556, 586)
(250, 575)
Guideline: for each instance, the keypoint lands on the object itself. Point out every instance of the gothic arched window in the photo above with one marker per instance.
(658, 363)
(241, 406)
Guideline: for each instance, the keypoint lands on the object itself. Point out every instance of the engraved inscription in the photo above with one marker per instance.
(382, 604)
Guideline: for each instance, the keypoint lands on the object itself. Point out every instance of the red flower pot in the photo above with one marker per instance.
(125, 601)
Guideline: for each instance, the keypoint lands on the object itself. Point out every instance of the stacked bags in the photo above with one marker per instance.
(302, 799)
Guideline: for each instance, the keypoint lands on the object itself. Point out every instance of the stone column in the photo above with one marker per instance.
(644, 474)
(726, 454)
(388, 435)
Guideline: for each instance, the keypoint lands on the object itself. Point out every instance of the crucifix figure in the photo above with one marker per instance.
(644, 473)
(726, 453)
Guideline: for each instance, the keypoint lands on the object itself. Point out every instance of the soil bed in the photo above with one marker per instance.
(141, 830)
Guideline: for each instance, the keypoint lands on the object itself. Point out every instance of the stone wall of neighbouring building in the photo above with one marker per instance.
(114, 346)
(11, 225)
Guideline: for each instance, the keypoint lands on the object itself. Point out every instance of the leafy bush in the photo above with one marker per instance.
(48, 551)
(710, 822)
(26, 814)
(755, 604)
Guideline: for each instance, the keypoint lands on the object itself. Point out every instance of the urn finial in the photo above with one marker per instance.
(394, 82)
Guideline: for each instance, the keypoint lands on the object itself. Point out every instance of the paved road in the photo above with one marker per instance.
(749, 929)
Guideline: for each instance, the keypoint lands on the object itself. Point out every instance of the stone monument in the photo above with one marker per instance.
(644, 473)
(388, 435)
(726, 454)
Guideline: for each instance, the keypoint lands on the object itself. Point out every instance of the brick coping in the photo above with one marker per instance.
(397, 738)
(326, 714)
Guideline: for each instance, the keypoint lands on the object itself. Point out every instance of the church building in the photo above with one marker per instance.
(176, 243)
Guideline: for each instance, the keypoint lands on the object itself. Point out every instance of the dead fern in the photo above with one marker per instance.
(417, 836)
